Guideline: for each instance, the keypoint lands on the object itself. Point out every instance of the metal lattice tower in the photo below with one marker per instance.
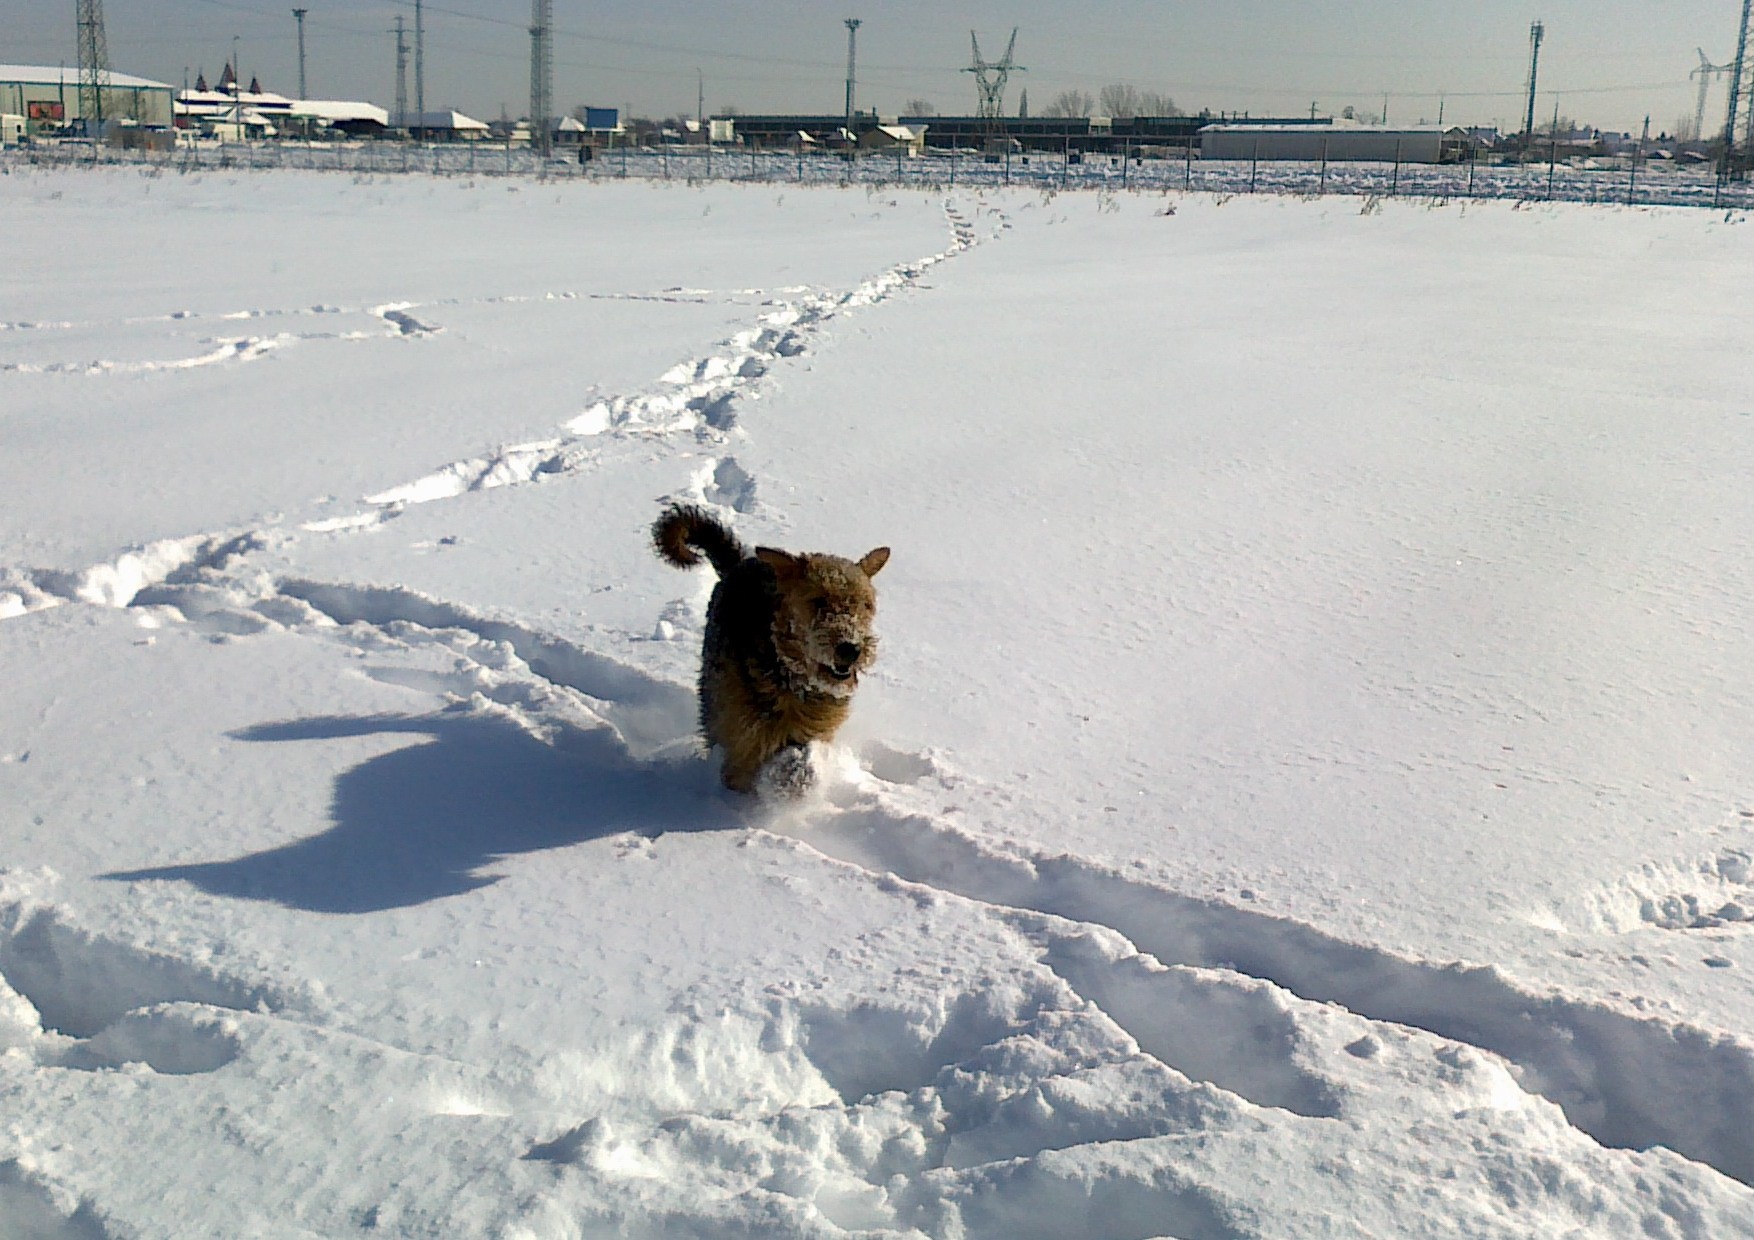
(401, 75)
(1738, 154)
(853, 24)
(1537, 32)
(420, 67)
(299, 16)
(541, 74)
(94, 64)
(990, 77)
(1704, 73)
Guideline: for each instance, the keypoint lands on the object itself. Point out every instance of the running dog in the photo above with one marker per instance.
(786, 639)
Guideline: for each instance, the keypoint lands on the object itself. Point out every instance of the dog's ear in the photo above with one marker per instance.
(786, 567)
(873, 561)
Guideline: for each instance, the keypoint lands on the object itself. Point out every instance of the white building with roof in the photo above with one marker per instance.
(1339, 141)
(446, 125)
(49, 98)
(341, 115)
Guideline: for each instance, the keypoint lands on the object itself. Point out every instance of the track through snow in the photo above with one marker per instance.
(1150, 1052)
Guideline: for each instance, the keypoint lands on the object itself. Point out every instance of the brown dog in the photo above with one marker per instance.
(786, 638)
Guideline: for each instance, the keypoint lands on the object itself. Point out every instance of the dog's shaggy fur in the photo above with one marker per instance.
(786, 639)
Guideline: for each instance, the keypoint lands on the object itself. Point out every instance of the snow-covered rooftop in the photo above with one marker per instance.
(69, 76)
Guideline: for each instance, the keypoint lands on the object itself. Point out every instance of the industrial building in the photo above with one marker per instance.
(1076, 134)
(1338, 141)
(48, 97)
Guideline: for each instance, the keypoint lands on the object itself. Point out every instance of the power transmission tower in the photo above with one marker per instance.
(420, 68)
(299, 14)
(541, 74)
(1537, 32)
(852, 45)
(1738, 154)
(401, 75)
(94, 65)
(1704, 73)
(989, 80)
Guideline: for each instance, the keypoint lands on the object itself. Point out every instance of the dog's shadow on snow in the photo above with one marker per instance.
(425, 821)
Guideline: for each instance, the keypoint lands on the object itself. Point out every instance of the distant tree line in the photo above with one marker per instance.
(1119, 99)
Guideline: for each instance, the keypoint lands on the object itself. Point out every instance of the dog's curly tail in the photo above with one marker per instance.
(685, 530)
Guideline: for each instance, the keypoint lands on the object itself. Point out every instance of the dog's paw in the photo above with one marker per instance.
(790, 775)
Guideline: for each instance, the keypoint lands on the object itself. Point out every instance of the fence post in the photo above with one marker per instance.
(1395, 180)
(1188, 164)
(1322, 185)
(1552, 158)
(1473, 158)
(1254, 161)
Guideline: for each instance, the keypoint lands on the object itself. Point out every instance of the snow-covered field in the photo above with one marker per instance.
(1304, 790)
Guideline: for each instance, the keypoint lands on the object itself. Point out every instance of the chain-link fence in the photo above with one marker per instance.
(1651, 182)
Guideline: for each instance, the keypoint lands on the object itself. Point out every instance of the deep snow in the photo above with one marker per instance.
(1302, 792)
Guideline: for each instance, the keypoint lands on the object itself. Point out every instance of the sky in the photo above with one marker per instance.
(1603, 62)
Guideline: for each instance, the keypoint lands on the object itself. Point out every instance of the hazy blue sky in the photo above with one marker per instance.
(1606, 62)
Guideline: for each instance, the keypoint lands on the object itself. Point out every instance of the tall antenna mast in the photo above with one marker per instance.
(1738, 127)
(1536, 33)
(94, 64)
(299, 14)
(401, 75)
(541, 74)
(852, 46)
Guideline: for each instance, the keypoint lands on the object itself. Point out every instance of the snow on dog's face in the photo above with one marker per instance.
(822, 625)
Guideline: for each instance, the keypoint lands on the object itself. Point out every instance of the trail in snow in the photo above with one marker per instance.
(697, 397)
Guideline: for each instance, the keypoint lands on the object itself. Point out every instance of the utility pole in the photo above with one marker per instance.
(401, 75)
(699, 99)
(1537, 32)
(420, 68)
(541, 75)
(852, 45)
(299, 14)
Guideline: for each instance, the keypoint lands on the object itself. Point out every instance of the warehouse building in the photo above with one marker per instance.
(48, 97)
(1339, 141)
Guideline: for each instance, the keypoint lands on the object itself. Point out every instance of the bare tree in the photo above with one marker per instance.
(1118, 99)
(1070, 103)
(920, 107)
(1127, 101)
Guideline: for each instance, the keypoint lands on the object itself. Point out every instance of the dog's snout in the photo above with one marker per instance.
(846, 653)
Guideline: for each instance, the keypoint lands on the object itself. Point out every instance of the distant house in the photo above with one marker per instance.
(443, 126)
(908, 139)
(569, 131)
(232, 114)
(346, 116)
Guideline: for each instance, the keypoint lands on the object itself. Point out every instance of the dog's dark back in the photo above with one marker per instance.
(739, 615)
